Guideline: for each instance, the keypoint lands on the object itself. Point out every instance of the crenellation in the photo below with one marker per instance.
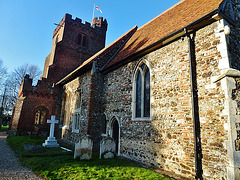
(143, 100)
(78, 20)
(100, 24)
(87, 24)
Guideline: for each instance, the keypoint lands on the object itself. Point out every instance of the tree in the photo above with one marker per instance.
(3, 75)
(13, 82)
(10, 83)
(33, 71)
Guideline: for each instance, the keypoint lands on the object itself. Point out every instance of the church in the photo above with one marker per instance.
(166, 92)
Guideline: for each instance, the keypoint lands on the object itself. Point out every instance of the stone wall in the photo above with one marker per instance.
(71, 89)
(212, 102)
(166, 140)
(96, 107)
(236, 98)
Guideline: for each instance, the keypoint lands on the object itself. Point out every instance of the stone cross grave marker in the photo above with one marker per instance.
(107, 148)
(51, 141)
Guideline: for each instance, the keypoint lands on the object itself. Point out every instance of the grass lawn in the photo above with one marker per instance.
(4, 128)
(54, 163)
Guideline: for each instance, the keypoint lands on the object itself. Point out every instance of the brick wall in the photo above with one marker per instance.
(32, 97)
(66, 53)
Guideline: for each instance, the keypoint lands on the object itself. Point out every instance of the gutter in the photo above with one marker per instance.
(75, 72)
(189, 31)
(194, 26)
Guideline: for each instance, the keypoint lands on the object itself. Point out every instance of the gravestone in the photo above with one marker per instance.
(83, 149)
(77, 152)
(51, 141)
(33, 147)
(107, 148)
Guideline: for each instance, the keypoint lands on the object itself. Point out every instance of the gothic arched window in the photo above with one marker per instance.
(40, 115)
(141, 94)
(77, 113)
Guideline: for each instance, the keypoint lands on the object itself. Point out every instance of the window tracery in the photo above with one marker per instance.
(141, 92)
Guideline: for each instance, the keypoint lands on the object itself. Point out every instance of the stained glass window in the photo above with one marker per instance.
(142, 92)
(147, 94)
(40, 115)
(139, 95)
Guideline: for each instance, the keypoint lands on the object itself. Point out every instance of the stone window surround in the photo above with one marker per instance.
(107, 126)
(41, 109)
(76, 120)
(77, 111)
(147, 63)
(66, 108)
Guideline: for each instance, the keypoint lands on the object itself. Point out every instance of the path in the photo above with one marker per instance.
(10, 167)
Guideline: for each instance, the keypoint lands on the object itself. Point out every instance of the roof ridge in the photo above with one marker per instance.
(89, 60)
(168, 22)
(134, 28)
(164, 12)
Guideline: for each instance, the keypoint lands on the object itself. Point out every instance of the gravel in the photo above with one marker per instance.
(10, 167)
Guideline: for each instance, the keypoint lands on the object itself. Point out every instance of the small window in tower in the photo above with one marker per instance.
(82, 40)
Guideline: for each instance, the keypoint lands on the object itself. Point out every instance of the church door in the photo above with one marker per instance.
(115, 133)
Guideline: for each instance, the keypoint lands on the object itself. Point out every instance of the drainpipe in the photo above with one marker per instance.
(195, 108)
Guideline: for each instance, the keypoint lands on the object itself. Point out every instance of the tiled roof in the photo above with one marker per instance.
(177, 17)
(103, 55)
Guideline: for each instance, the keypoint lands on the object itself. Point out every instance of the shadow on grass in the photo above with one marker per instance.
(55, 163)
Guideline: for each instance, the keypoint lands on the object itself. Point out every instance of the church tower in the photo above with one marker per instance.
(73, 43)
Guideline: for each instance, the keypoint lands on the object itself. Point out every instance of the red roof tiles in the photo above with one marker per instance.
(180, 15)
(105, 53)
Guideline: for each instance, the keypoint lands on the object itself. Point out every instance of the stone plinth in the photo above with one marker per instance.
(51, 141)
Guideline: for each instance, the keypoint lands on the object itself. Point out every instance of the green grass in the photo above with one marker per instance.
(4, 128)
(58, 164)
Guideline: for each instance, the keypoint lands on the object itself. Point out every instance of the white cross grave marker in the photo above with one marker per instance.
(51, 141)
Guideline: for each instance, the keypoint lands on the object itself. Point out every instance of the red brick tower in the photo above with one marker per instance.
(73, 43)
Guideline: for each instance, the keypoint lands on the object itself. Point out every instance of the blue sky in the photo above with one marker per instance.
(26, 26)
